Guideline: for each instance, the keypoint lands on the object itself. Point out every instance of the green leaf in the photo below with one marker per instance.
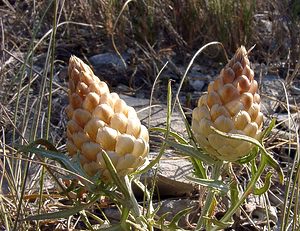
(167, 133)
(162, 219)
(64, 213)
(188, 150)
(45, 143)
(268, 130)
(234, 192)
(253, 168)
(263, 189)
(220, 224)
(253, 153)
(186, 122)
(266, 156)
(114, 175)
(85, 220)
(199, 169)
(176, 136)
(174, 222)
(214, 184)
(60, 157)
(274, 164)
(198, 165)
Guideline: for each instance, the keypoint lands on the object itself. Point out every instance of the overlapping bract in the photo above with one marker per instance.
(100, 120)
(231, 105)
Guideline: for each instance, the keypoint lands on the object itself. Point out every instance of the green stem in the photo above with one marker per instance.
(211, 194)
(125, 214)
(248, 191)
(134, 205)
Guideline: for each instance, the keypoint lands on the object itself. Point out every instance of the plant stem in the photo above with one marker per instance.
(135, 206)
(216, 169)
(134, 203)
(248, 191)
(125, 214)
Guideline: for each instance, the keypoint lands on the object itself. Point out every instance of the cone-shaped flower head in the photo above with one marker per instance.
(231, 105)
(100, 120)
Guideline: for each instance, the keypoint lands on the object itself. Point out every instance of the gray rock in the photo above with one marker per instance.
(271, 90)
(259, 214)
(199, 75)
(257, 211)
(271, 85)
(110, 68)
(171, 178)
(108, 60)
(197, 84)
(137, 103)
(267, 25)
(158, 114)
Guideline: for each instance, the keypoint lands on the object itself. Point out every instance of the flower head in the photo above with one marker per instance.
(100, 121)
(231, 105)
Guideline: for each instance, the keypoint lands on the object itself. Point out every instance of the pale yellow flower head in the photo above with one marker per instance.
(231, 105)
(99, 120)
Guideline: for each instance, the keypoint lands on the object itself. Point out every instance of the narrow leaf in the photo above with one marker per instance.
(174, 223)
(253, 153)
(270, 160)
(274, 164)
(234, 192)
(45, 143)
(263, 189)
(176, 136)
(220, 224)
(162, 219)
(167, 133)
(268, 130)
(188, 150)
(64, 213)
(60, 157)
(214, 184)
(199, 169)
(113, 173)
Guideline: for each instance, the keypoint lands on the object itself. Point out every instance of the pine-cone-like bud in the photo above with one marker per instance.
(231, 105)
(100, 120)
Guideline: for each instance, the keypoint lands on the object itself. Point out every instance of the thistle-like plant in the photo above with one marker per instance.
(106, 144)
(99, 121)
(227, 128)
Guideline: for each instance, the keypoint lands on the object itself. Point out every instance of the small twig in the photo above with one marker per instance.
(114, 28)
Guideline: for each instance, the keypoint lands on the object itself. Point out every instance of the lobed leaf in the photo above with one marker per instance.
(64, 213)
(265, 187)
(190, 150)
(214, 184)
(265, 157)
(59, 157)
